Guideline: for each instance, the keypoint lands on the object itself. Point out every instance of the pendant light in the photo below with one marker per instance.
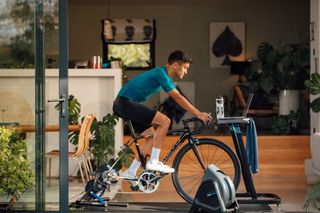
(107, 24)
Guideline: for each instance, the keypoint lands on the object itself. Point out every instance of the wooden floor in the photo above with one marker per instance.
(281, 171)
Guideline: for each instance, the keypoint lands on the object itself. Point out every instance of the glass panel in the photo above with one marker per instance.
(18, 98)
(17, 102)
(17, 34)
(51, 51)
(51, 37)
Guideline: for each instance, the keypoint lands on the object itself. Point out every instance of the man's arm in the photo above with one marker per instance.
(185, 104)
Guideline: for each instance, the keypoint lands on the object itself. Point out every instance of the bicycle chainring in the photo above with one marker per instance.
(148, 182)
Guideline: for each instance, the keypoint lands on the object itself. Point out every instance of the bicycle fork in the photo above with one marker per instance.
(192, 143)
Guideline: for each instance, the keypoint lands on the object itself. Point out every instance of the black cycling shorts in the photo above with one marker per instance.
(140, 115)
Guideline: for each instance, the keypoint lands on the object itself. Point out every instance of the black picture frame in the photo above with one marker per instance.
(105, 52)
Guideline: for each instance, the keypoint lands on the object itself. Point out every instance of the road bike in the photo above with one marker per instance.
(189, 163)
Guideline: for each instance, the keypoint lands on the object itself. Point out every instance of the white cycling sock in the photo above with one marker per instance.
(134, 167)
(155, 154)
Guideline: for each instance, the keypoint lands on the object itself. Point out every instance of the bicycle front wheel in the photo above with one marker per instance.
(189, 172)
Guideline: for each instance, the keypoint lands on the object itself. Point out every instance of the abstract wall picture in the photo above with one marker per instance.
(129, 30)
(227, 43)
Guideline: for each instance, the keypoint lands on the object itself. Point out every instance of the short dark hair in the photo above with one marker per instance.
(179, 56)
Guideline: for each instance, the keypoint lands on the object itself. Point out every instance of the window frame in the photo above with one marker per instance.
(105, 44)
(152, 52)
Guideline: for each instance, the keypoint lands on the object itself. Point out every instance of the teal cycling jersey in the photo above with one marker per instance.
(141, 87)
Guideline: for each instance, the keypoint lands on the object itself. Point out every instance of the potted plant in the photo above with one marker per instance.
(102, 143)
(286, 124)
(262, 78)
(294, 69)
(282, 71)
(313, 84)
(313, 196)
(16, 174)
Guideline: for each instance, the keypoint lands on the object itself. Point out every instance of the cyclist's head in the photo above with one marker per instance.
(180, 57)
(178, 64)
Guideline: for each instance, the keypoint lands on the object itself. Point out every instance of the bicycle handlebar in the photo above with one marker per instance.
(195, 131)
(187, 128)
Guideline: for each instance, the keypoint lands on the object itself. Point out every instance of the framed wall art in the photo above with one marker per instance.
(227, 43)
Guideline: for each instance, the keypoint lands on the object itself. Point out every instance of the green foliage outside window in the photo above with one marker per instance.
(132, 55)
(16, 173)
(17, 38)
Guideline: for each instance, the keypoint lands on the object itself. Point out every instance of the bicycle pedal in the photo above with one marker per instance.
(134, 188)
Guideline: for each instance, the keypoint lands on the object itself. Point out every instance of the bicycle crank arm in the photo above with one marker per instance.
(127, 178)
(155, 178)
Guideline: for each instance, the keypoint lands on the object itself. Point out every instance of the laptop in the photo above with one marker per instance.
(245, 110)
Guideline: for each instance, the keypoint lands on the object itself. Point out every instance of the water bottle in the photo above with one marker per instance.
(219, 107)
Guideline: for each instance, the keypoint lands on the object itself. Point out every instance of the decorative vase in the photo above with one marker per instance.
(7, 206)
(288, 100)
(315, 148)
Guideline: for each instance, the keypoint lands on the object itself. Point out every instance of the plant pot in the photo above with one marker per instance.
(288, 100)
(7, 207)
(315, 148)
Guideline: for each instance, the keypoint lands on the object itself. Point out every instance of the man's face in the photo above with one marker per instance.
(181, 69)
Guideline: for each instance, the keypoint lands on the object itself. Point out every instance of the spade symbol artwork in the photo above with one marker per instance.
(227, 44)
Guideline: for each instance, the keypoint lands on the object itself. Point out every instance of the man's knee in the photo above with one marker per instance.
(162, 120)
(166, 121)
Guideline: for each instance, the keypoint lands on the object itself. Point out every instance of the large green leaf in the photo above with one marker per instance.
(313, 197)
(266, 84)
(313, 83)
(287, 67)
(315, 105)
(102, 142)
(263, 51)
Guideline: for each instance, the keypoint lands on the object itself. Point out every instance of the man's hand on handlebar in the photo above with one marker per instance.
(205, 117)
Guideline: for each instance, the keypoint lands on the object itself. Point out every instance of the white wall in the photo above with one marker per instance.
(184, 24)
(95, 90)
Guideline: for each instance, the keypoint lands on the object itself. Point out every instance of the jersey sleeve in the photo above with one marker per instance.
(165, 81)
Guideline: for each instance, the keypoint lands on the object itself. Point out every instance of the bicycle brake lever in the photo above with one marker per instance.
(211, 123)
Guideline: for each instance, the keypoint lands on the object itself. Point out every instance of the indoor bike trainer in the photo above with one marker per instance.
(250, 196)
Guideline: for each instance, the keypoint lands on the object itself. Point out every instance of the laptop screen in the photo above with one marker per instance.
(246, 109)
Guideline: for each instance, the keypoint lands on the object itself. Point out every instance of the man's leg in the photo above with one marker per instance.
(145, 149)
(148, 144)
(163, 123)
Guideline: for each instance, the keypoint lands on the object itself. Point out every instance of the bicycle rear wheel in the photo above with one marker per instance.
(189, 172)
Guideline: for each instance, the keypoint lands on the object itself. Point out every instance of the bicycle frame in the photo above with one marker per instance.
(187, 134)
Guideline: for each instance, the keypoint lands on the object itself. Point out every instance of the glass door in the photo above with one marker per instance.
(56, 103)
(33, 70)
(18, 104)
